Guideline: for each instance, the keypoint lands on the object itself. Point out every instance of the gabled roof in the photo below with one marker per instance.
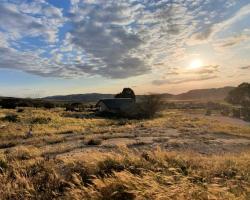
(117, 103)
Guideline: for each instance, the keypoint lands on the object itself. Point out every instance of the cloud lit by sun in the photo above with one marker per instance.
(195, 64)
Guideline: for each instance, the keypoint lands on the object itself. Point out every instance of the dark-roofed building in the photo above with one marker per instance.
(115, 105)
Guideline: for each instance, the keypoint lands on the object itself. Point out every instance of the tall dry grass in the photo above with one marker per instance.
(127, 175)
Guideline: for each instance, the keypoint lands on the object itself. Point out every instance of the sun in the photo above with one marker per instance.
(195, 64)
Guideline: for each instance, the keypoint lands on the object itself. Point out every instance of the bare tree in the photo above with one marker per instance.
(150, 105)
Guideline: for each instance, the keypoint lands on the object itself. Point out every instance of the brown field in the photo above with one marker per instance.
(75, 155)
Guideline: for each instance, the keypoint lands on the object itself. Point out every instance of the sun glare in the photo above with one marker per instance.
(195, 64)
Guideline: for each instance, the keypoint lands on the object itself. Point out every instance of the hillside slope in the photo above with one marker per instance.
(91, 97)
(205, 94)
(199, 94)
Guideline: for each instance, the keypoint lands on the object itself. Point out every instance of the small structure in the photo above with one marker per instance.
(115, 105)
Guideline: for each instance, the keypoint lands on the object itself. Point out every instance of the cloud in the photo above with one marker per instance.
(231, 3)
(205, 34)
(112, 39)
(229, 42)
(209, 31)
(183, 76)
(183, 80)
(3, 40)
(209, 69)
(202, 70)
(242, 13)
(125, 38)
(245, 67)
(18, 21)
(171, 73)
(35, 64)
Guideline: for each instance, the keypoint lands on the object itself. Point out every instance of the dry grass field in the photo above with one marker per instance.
(75, 155)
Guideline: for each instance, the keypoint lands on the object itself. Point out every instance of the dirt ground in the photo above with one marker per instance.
(223, 119)
(169, 139)
(140, 137)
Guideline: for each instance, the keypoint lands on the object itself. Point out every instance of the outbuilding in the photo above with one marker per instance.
(115, 105)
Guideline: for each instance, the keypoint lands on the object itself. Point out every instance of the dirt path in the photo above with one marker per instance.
(141, 138)
(169, 139)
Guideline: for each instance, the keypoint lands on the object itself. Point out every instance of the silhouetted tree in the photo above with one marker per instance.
(74, 107)
(126, 93)
(25, 103)
(240, 95)
(9, 103)
(49, 105)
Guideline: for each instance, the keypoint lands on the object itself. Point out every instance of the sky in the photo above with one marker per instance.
(50, 47)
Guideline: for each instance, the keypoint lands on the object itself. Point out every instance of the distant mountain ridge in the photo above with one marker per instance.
(206, 94)
(89, 97)
(198, 94)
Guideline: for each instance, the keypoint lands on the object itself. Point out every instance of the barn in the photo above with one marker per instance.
(115, 105)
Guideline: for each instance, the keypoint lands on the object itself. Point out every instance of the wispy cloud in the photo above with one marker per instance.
(209, 69)
(245, 67)
(184, 80)
(229, 42)
(184, 76)
(209, 31)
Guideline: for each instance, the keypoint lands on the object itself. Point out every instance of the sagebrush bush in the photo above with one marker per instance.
(11, 118)
(94, 141)
(22, 153)
(108, 166)
(20, 110)
(147, 107)
(7, 144)
(41, 120)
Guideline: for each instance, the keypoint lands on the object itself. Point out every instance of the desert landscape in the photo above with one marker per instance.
(180, 153)
(124, 100)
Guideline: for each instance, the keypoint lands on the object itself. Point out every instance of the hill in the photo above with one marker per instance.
(199, 94)
(91, 97)
(205, 94)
